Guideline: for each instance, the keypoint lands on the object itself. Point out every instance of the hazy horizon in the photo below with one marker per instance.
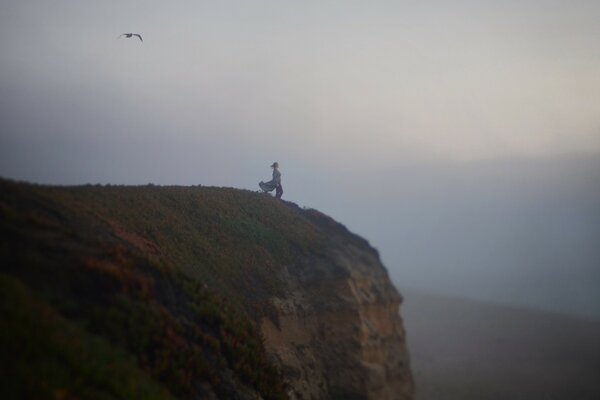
(461, 139)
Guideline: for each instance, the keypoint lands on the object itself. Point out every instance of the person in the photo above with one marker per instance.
(274, 183)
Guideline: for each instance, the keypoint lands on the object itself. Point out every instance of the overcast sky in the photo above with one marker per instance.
(362, 103)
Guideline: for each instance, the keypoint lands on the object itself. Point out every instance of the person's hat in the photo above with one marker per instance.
(275, 165)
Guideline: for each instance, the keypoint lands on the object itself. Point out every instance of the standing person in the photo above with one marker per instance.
(274, 183)
(277, 178)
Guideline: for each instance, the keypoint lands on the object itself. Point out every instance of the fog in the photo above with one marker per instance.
(462, 139)
(517, 231)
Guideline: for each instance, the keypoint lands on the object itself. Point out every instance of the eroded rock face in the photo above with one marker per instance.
(338, 333)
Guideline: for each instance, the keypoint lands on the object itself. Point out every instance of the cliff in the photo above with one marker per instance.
(190, 292)
(338, 333)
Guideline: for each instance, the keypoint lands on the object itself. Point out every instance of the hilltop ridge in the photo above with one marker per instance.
(191, 292)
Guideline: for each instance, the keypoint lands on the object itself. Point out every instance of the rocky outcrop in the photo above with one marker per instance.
(191, 292)
(338, 333)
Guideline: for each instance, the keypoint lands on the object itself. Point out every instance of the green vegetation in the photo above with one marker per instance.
(232, 240)
(142, 292)
(46, 356)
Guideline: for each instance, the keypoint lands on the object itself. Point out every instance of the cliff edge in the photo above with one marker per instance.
(190, 292)
(338, 332)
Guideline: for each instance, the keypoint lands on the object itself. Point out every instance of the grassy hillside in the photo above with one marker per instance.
(143, 292)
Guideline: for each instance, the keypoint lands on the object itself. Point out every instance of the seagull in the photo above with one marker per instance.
(129, 35)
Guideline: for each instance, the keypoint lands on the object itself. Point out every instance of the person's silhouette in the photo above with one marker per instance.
(274, 183)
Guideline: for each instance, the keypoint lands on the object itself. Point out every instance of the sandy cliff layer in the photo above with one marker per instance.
(338, 333)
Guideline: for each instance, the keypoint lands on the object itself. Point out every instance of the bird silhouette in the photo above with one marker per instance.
(129, 35)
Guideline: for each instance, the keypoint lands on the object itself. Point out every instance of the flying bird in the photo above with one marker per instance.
(129, 35)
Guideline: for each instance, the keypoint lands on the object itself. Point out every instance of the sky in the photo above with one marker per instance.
(462, 139)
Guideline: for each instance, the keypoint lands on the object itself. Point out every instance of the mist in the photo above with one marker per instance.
(462, 140)
(518, 231)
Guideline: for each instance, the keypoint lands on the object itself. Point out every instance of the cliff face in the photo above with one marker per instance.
(174, 288)
(338, 332)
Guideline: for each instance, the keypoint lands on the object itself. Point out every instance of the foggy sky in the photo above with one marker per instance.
(461, 138)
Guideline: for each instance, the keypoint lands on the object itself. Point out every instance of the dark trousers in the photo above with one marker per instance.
(278, 191)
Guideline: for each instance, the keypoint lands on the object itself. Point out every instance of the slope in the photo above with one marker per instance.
(190, 292)
(466, 349)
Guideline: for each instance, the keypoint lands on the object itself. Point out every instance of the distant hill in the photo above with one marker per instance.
(465, 349)
(190, 292)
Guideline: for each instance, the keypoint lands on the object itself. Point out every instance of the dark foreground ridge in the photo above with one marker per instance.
(190, 292)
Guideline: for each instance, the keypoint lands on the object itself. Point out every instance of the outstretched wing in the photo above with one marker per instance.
(122, 34)
(140, 36)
